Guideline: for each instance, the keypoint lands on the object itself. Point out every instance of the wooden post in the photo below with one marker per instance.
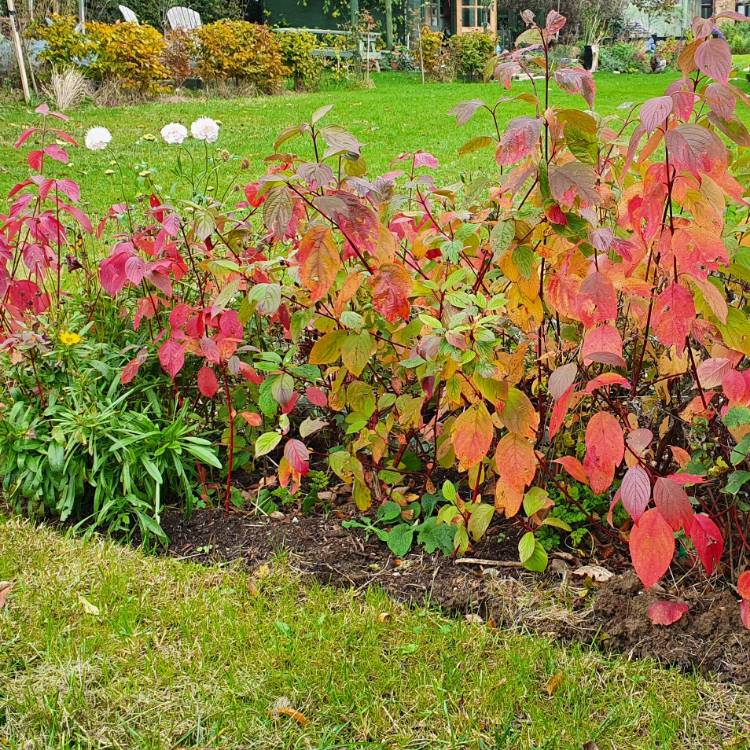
(354, 11)
(388, 24)
(19, 50)
(82, 15)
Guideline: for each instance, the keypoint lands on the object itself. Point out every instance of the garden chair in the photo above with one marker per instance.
(128, 15)
(183, 19)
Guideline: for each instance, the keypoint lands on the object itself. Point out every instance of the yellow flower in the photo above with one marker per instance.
(69, 339)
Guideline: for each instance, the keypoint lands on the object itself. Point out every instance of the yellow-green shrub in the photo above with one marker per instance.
(243, 51)
(471, 52)
(296, 49)
(434, 55)
(127, 53)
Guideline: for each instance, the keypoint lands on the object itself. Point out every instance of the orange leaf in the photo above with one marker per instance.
(391, 287)
(508, 498)
(319, 261)
(515, 460)
(472, 435)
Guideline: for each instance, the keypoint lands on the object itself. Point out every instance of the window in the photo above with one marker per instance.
(707, 8)
(743, 8)
(474, 14)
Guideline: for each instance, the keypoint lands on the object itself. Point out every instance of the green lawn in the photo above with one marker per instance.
(399, 114)
(103, 647)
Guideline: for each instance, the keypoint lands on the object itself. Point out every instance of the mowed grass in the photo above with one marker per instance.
(104, 647)
(399, 114)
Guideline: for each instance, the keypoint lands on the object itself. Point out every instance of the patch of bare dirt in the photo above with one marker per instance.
(562, 603)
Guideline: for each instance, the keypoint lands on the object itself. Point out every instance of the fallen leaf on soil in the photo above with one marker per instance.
(252, 588)
(473, 618)
(5, 588)
(554, 682)
(384, 617)
(666, 613)
(595, 572)
(88, 607)
(283, 707)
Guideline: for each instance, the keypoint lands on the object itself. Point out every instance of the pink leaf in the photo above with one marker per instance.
(561, 379)
(635, 491)
(171, 357)
(714, 58)
(208, 385)
(707, 540)
(577, 81)
(603, 344)
(745, 613)
(651, 547)
(666, 613)
(296, 453)
(521, 138)
(130, 370)
(554, 23)
(655, 111)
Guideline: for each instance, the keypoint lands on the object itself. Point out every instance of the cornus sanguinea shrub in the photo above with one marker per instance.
(576, 316)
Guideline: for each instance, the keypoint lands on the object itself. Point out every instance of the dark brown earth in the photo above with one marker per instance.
(562, 603)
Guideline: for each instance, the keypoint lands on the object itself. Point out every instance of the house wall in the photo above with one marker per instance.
(677, 26)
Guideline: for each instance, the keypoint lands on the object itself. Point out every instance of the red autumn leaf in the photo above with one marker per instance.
(559, 410)
(24, 294)
(605, 380)
(745, 613)
(635, 491)
(574, 467)
(707, 540)
(554, 23)
(472, 435)
(666, 613)
(714, 58)
(651, 547)
(603, 344)
(598, 300)
(171, 357)
(655, 111)
(316, 396)
(521, 138)
(130, 370)
(574, 180)
(743, 585)
(391, 287)
(207, 383)
(711, 372)
(673, 316)
(604, 439)
(296, 453)
(673, 503)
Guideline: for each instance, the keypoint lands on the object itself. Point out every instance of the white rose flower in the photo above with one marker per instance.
(174, 133)
(205, 129)
(97, 139)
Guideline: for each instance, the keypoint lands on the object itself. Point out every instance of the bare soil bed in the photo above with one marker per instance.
(566, 602)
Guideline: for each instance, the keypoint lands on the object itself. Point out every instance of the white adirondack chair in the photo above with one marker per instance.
(128, 15)
(182, 18)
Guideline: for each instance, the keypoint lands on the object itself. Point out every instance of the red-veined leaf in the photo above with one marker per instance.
(714, 58)
(171, 357)
(635, 491)
(655, 111)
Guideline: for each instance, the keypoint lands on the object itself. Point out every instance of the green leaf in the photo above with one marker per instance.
(267, 298)
(389, 511)
(523, 258)
(449, 491)
(534, 500)
(481, 516)
(532, 554)
(434, 536)
(737, 479)
(400, 539)
(327, 348)
(558, 523)
(737, 416)
(266, 443)
(356, 350)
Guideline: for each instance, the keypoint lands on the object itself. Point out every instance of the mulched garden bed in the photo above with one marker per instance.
(564, 603)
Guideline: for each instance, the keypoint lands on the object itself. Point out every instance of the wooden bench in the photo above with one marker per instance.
(366, 50)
